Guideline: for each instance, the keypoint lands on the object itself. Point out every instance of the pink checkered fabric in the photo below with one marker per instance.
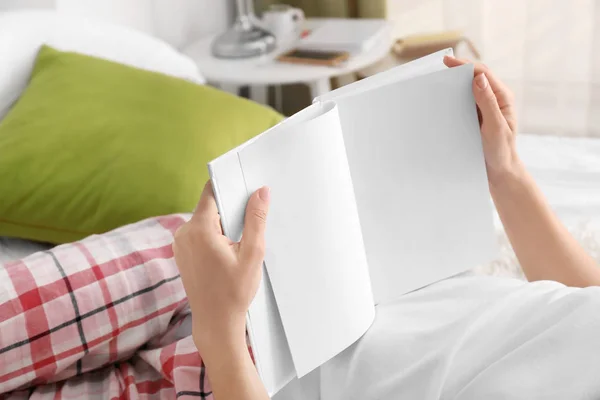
(103, 318)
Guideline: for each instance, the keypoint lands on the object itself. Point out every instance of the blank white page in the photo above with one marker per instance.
(315, 255)
(418, 171)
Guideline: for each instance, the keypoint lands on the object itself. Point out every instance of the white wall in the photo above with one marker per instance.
(137, 14)
(11, 4)
(177, 21)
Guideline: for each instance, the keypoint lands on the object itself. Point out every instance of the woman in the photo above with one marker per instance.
(466, 338)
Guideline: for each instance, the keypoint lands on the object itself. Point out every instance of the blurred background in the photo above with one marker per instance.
(547, 51)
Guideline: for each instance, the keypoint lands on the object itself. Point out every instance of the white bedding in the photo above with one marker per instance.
(13, 249)
(475, 338)
(567, 169)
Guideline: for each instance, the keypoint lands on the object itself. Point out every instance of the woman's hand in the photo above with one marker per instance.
(498, 122)
(221, 277)
(544, 247)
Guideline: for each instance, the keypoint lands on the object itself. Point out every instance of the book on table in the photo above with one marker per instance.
(378, 188)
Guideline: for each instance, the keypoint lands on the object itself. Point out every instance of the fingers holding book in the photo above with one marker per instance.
(220, 277)
(498, 121)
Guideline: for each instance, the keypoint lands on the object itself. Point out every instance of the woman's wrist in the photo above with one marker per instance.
(507, 180)
(225, 354)
(512, 175)
(221, 344)
(513, 188)
(231, 370)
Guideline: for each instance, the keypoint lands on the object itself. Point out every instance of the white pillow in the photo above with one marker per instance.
(23, 32)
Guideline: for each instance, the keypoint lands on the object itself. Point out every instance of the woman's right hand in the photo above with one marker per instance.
(543, 245)
(498, 122)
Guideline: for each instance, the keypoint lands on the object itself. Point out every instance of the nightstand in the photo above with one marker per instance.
(261, 72)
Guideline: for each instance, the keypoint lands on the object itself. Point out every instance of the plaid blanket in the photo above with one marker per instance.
(103, 318)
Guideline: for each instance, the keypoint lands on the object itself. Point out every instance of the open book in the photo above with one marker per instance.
(377, 189)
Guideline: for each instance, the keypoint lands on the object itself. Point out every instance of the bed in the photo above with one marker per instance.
(568, 171)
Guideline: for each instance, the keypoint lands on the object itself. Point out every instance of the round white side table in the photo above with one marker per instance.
(261, 72)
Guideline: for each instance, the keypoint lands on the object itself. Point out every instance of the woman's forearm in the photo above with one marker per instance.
(232, 373)
(545, 248)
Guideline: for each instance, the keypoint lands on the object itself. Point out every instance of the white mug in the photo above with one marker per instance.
(284, 21)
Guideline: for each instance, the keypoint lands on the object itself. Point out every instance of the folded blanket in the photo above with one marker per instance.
(103, 318)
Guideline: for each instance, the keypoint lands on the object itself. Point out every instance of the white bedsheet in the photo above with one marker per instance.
(13, 249)
(568, 171)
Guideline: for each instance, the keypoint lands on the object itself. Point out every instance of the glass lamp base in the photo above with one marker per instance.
(244, 39)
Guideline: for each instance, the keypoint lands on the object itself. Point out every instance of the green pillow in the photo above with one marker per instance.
(92, 145)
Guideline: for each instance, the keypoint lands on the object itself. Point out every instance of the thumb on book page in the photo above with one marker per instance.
(252, 245)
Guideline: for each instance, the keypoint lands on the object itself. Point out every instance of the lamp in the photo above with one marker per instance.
(245, 38)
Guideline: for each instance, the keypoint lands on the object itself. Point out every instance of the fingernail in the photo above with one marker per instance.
(264, 193)
(481, 81)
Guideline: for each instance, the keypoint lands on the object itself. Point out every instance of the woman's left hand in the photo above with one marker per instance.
(221, 277)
